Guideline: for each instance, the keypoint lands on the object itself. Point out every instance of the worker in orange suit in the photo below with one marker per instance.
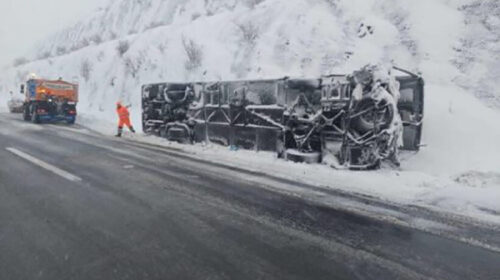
(124, 119)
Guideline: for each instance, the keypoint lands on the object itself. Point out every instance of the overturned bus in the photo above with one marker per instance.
(351, 121)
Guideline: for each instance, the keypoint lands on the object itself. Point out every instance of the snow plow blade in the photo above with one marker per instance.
(305, 120)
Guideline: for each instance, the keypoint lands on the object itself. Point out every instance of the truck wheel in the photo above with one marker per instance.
(306, 157)
(34, 117)
(26, 113)
(366, 122)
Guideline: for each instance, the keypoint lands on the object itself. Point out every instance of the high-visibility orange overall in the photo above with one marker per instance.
(124, 116)
(124, 119)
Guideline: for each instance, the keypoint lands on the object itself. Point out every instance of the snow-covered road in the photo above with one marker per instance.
(148, 210)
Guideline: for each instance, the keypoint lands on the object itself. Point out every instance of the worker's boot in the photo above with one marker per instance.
(119, 134)
(132, 129)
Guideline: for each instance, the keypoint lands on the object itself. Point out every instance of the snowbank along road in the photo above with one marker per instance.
(78, 205)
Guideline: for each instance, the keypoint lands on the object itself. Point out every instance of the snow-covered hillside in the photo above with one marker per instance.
(269, 38)
(453, 43)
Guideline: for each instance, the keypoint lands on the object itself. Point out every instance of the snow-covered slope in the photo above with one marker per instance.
(478, 52)
(453, 43)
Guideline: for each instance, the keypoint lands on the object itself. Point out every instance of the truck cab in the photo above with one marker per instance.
(50, 101)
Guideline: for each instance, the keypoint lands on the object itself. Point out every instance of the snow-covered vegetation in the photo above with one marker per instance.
(453, 43)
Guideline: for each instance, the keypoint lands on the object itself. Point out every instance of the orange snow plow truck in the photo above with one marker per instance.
(49, 101)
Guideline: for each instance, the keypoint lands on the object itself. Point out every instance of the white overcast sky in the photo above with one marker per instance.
(24, 22)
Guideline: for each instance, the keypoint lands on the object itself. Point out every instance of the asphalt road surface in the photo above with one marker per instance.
(78, 205)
